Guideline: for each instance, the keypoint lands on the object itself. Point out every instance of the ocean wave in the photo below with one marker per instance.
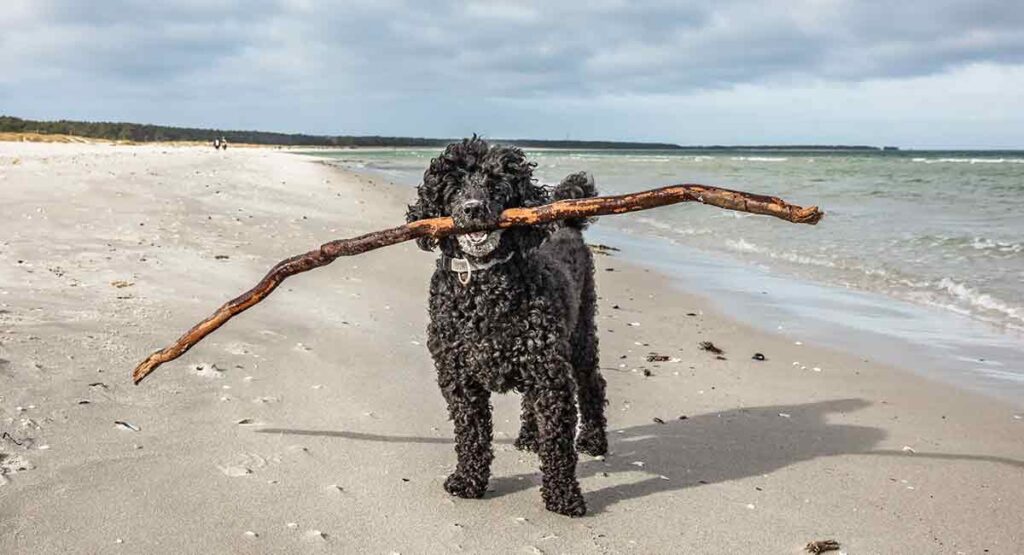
(945, 293)
(734, 215)
(645, 159)
(980, 301)
(970, 244)
(1005, 375)
(758, 159)
(969, 160)
(688, 231)
(742, 245)
(982, 243)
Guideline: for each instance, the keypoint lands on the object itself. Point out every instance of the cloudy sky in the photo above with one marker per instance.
(923, 73)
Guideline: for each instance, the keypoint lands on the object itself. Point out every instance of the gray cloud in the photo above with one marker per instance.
(416, 56)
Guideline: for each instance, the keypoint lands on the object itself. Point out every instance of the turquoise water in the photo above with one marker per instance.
(934, 240)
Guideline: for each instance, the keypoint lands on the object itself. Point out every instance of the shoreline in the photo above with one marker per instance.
(929, 341)
(950, 348)
(319, 407)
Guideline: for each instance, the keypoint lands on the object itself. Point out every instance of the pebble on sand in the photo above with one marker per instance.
(127, 426)
(710, 347)
(235, 471)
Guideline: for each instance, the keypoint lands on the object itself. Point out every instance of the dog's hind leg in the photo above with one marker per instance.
(469, 407)
(590, 385)
(527, 440)
(590, 391)
(556, 422)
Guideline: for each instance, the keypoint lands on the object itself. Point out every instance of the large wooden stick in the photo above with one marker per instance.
(443, 227)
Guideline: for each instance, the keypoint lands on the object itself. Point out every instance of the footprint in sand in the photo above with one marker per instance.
(10, 464)
(316, 535)
(238, 348)
(207, 370)
(266, 400)
(242, 465)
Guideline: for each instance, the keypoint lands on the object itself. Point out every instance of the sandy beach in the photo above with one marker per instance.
(312, 423)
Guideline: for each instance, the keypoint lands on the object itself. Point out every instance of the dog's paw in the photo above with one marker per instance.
(592, 442)
(461, 486)
(527, 442)
(569, 503)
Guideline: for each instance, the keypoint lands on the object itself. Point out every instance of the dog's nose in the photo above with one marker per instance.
(474, 209)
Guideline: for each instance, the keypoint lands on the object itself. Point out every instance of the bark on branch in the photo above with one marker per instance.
(443, 227)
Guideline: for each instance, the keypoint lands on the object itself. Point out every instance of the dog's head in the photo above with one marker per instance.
(473, 182)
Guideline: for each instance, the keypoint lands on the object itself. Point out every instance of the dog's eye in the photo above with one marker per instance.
(502, 192)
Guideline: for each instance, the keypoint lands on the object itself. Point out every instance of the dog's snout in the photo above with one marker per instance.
(474, 209)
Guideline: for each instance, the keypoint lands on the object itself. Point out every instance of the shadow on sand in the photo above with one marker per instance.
(703, 449)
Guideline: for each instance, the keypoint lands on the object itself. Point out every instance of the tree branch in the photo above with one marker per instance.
(443, 227)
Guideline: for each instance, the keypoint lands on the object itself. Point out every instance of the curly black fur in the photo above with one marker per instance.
(527, 324)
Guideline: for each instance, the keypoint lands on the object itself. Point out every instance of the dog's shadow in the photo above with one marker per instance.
(702, 449)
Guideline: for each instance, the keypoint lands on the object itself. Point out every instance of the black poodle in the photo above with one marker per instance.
(513, 309)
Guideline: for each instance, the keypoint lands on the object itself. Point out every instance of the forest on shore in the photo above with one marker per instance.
(143, 133)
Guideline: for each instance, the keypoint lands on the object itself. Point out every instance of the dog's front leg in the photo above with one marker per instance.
(469, 407)
(555, 409)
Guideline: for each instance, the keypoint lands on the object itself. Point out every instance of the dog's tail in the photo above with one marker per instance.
(574, 186)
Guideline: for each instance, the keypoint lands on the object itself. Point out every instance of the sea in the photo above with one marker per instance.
(919, 262)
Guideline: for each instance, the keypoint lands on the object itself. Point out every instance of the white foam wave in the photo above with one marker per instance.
(1001, 374)
(742, 245)
(759, 159)
(734, 215)
(984, 243)
(969, 160)
(673, 229)
(981, 301)
(969, 243)
(645, 159)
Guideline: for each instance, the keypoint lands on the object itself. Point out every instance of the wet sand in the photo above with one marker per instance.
(313, 423)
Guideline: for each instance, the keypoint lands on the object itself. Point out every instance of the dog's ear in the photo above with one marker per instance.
(428, 204)
(420, 210)
(430, 192)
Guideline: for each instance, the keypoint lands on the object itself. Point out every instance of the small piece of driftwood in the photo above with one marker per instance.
(443, 227)
(821, 546)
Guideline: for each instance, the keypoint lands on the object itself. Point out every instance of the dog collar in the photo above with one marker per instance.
(464, 267)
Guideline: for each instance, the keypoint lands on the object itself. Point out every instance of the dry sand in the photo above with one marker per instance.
(313, 423)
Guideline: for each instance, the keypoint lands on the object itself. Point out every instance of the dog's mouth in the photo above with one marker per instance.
(479, 243)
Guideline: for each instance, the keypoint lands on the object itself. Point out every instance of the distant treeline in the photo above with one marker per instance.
(142, 133)
(139, 132)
